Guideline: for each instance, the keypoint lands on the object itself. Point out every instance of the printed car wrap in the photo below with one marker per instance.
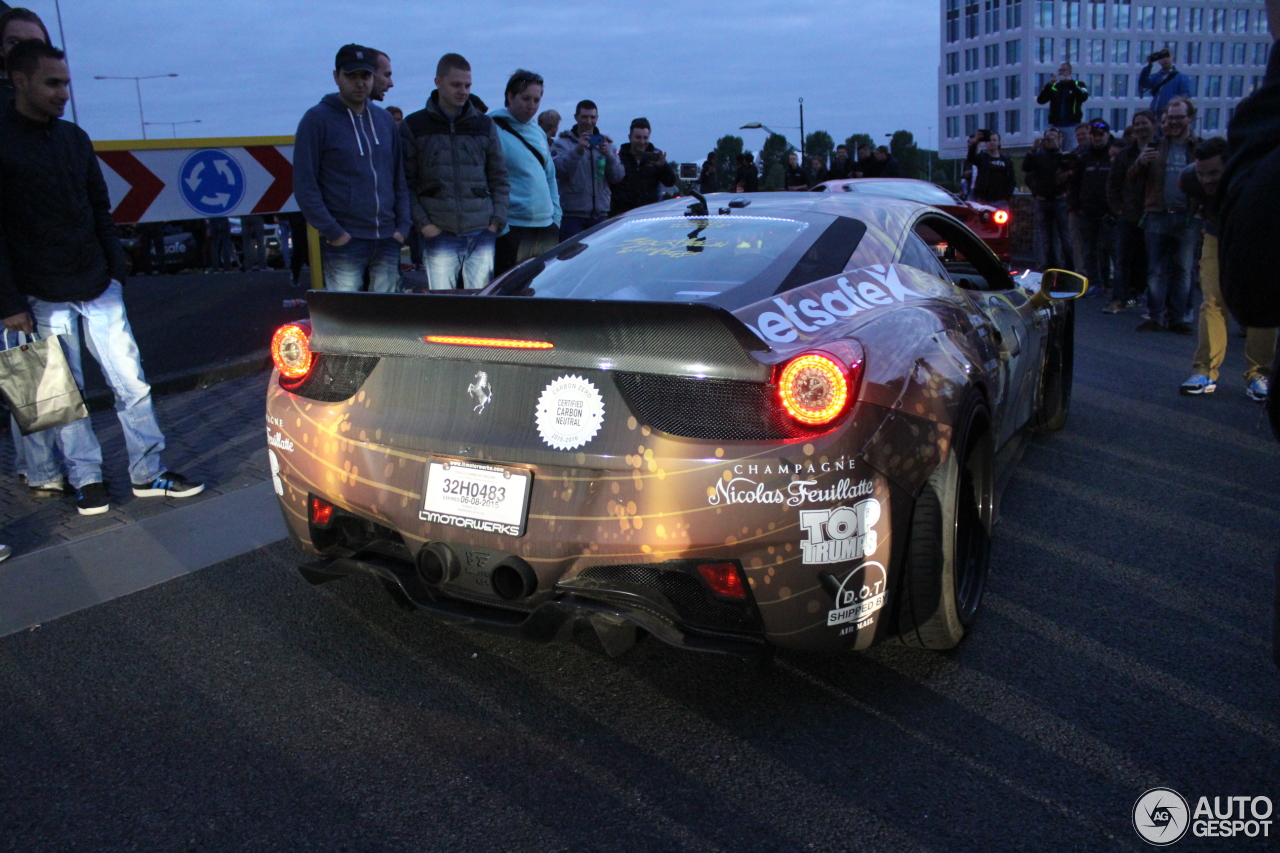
(817, 520)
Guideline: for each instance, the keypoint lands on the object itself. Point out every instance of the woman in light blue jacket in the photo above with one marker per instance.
(533, 222)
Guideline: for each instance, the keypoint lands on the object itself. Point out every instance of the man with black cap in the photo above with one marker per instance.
(348, 179)
(1090, 170)
(1164, 85)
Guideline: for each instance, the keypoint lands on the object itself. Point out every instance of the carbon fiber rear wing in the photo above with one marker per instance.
(675, 339)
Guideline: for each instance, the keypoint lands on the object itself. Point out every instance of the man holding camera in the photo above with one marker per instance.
(1164, 85)
(586, 169)
(644, 167)
(1064, 95)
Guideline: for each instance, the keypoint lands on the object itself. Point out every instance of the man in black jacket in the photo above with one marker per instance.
(1046, 176)
(645, 167)
(1090, 170)
(1065, 96)
(61, 264)
(1250, 221)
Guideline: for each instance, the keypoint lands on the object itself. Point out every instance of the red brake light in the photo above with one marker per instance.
(724, 579)
(291, 349)
(321, 511)
(1001, 217)
(506, 343)
(815, 388)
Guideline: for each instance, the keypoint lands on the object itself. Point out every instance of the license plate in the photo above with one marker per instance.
(474, 496)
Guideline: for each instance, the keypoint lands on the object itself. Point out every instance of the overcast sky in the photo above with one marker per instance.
(696, 71)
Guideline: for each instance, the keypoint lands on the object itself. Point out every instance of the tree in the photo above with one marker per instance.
(774, 153)
(910, 162)
(818, 144)
(727, 150)
(857, 139)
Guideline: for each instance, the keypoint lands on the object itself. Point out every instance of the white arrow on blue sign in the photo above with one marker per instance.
(212, 182)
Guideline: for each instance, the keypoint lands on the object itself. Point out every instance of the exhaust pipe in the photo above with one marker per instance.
(514, 578)
(437, 564)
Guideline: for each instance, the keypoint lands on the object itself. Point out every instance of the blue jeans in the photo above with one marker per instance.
(1171, 249)
(112, 345)
(471, 252)
(345, 266)
(1053, 243)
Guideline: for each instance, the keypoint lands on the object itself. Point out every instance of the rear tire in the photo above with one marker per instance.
(1055, 394)
(949, 551)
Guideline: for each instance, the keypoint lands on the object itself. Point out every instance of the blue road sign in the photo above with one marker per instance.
(211, 181)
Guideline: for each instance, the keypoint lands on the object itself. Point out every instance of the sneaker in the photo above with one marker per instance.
(5, 552)
(1198, 384)
(91, 499)
(1151, 326)
(1182, 329)
(1258, 389)
(168, 485)
(1134, 302)
(1115, 307)
(56, 489)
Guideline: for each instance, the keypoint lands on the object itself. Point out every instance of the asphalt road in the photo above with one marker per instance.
(1124, 644)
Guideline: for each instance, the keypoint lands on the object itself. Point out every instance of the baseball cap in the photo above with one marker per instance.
(1099, 124)
(355, 57)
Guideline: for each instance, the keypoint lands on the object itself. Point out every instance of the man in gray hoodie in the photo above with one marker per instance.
(586, 166)
(349, 182)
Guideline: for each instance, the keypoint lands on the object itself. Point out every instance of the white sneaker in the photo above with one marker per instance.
(5, 552)
(1198, 384)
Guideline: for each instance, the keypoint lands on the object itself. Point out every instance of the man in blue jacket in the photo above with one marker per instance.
(1164, 85)
(348, 179)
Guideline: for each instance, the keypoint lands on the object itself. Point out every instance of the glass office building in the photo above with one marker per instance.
(998, 54)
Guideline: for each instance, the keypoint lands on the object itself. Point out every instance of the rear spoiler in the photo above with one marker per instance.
(680, 339)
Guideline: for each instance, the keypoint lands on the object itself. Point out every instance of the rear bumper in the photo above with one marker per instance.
(614, 614)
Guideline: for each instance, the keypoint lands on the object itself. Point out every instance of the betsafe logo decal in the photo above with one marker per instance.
(807, 309)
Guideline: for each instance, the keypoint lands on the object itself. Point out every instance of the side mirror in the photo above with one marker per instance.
(1059, 284)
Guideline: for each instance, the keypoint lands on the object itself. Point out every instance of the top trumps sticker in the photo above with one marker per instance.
(570, 412)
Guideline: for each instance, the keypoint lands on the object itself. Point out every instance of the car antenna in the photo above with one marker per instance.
(698, 208)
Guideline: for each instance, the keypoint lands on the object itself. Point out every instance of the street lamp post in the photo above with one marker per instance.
(755, 125)
(802, 130)
(57, 7)
(173, 125)
(137, 84)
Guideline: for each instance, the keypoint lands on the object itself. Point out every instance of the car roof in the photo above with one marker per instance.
(886, 214)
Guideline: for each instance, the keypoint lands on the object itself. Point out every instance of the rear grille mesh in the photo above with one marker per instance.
(334, 378)
(715, 409)
(696, 605)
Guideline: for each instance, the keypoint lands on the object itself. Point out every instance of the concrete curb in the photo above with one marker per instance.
(187, 380)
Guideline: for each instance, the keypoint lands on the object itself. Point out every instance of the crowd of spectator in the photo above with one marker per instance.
(1137, 215)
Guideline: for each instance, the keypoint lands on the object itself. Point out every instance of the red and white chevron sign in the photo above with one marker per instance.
(158, 180)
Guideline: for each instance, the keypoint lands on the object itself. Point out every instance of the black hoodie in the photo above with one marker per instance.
(57, 239)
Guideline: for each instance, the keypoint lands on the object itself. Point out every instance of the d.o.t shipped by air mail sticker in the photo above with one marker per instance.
(570, 412)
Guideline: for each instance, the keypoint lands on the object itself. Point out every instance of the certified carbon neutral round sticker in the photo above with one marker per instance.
(1160, 816)
(570, 412)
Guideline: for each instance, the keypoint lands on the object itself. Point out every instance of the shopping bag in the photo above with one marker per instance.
(37, 385)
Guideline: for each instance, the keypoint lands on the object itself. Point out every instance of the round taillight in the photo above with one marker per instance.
(291, 350)
(1001, 217)
(814, 389)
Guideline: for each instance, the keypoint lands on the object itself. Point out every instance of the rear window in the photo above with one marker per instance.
(730, 260)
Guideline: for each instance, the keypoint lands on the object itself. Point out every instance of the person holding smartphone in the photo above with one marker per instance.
(587, 167)
(1065, 96)
(1165, 84)
(644, 166)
